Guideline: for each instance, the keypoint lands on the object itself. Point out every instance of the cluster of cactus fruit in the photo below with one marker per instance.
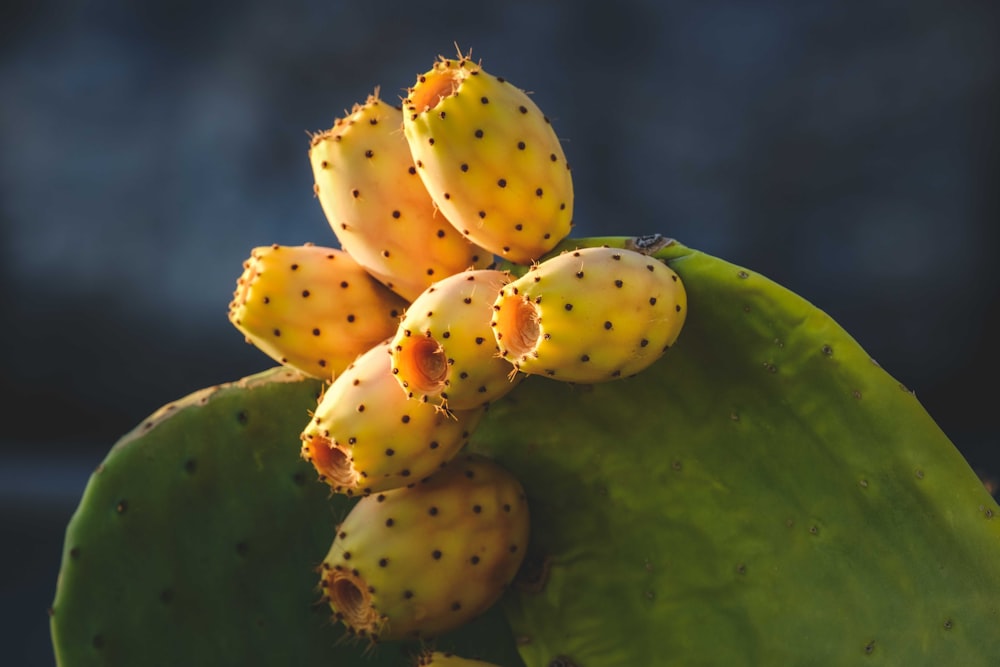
(725, 506)
(418, 331)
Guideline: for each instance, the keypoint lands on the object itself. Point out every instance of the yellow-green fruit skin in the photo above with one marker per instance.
(442, 659)
(490, 159)
(444, 350)
(590, 315)
(378, 207)
(366, 435)
(312, 308)
(424, 560)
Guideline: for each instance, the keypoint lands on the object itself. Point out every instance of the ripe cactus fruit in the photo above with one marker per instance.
(446, 659)
(378, 207)
(444, 349)
(367, 436)
(422, 560)
(312, 308)
(590, 315)
(490, 159)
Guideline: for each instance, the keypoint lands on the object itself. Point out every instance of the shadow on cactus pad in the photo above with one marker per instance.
(764, 494)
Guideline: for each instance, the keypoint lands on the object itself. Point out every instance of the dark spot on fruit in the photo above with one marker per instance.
(552, 156)
(190, 466)
(436, 554)
(383, 562)
(538, 192)
(277, 332)
(652, 300)
(479, 134)
(477, 508)
(502, 182)
(369, 153)
(396, 214)
(643, 343)
(315, 332)
(479, 340)
(242, 417)
(434, 444)
(607, 325)
(355, 193)
(405, 419)
(405, 473)
(619, 283)
(585, 358)
(523, 109)
(407, 594)
(412, 170)
(433, 511)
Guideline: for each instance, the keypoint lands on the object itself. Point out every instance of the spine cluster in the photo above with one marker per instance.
(417, 331)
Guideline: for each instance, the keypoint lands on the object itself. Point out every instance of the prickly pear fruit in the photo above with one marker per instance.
(312, 308)
(445, 659)
(421, 560)
(490, 159)
(590, 315)
(444, 348)
(378, 207)
(367, 436)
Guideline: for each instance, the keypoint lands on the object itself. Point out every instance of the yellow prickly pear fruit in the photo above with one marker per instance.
(367, 436)
(490, 159)
(378, 207)
(444, 350)
(312, 308)
(423, 560)
(443, 659)
(590, 315)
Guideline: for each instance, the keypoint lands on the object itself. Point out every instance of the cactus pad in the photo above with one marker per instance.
(198, 541)
(765, 494)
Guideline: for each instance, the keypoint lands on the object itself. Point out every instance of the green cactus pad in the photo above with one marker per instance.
(197, 542)
(765, 494)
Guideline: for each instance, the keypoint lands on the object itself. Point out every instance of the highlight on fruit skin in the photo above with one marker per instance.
(590, 315)
(311, 308)
(377, 205)
(366, 435)
(423, 560)
(490, 159)
(444, 351)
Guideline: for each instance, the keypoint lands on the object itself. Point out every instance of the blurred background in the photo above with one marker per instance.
(848, 150)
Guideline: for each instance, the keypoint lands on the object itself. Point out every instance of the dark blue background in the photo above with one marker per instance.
(847, 150)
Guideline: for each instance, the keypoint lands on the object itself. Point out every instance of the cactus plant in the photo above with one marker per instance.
(764, 494)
